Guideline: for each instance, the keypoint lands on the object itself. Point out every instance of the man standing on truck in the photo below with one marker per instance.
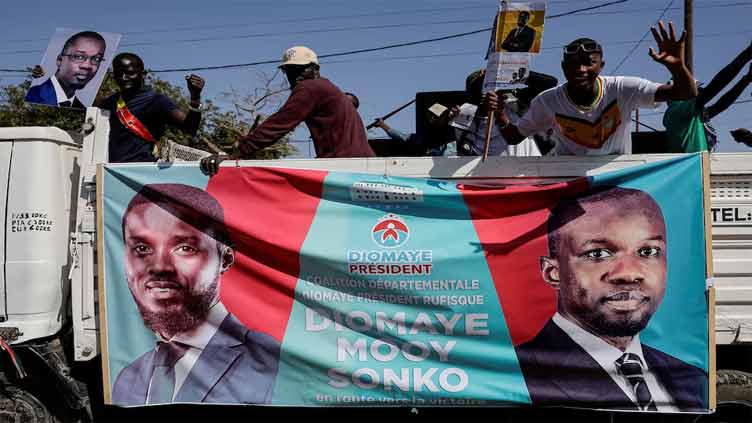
(335, 126)
(607, 261)
(139, 115)
(590, 114)
(176, 250)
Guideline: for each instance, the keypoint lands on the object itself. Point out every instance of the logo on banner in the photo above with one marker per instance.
(390, 231)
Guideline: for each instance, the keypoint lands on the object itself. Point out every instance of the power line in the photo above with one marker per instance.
(329, 30)
(670, 3)
(475, 53)
(304, 32)
(327, 19)
(627, 11)
(387, 47)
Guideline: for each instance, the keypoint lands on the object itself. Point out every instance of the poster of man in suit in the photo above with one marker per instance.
(607, 260)
(176, 250)
(73, 68)
(519, 27)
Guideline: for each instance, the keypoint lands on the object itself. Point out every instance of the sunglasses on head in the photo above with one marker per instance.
(587, 47)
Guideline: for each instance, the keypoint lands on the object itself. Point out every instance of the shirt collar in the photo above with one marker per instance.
(202, 334)
(60, 93)
(601, 351)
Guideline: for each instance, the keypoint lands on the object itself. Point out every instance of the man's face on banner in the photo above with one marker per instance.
(172, 268)
(80, 62)
(611, 269)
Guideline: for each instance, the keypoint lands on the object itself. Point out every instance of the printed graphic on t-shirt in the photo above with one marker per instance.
(591, 134)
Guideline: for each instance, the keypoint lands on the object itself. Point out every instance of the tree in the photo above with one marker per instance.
(247, 111)
(221, 128)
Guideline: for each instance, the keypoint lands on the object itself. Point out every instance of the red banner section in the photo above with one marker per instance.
(260, 288)
(511, 226)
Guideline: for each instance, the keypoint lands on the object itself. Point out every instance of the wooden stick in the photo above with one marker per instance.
(390, 114)
(489, 128)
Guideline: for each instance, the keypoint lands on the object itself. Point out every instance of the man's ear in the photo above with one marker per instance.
(550, 271)
(227, 259)
(59, 61)
(603, 63)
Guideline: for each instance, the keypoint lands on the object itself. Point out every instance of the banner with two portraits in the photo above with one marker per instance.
(316, 288)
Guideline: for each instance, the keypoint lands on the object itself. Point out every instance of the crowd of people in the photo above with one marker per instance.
(588, 114)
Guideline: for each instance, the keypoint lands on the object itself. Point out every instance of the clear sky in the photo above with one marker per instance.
(191, 33)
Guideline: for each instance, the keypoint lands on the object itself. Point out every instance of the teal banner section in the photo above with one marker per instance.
(676, 185)
(395, 303)
(128, 338)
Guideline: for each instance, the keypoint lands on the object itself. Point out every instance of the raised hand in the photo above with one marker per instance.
(37, 72)
(195, 85)
(491, 101)
(743, 136)
(210, 165)
(670, 50)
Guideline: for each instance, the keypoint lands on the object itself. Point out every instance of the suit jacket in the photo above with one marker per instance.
(558, 371)
(237, 366)
(522, 42)
(44, 93)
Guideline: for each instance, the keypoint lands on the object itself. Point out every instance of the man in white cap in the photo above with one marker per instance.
(335, 126)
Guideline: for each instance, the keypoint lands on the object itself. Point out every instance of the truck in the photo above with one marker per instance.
(49, 299)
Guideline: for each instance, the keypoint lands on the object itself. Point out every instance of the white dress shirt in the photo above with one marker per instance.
(197, 340)
(60, 93)
(606, 355)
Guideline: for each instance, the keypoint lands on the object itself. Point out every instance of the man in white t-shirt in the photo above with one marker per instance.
(590, 114)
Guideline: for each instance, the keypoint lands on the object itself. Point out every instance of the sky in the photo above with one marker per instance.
(170, 34)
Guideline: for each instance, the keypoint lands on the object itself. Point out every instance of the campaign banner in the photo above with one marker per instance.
(294, 287)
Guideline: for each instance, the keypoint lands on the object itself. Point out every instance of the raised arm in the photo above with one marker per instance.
(189, 122)
(671, 55)
(730, 96)
(724, 76)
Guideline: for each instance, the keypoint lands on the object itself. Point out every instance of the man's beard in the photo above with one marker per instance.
(181, 315)
(622, 326)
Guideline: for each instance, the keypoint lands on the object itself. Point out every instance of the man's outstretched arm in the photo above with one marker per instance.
(730, 96)
(671, 55)
(190, 122)
(297, 107)
(724, 76)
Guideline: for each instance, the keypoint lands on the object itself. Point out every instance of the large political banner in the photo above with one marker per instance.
(318, 288)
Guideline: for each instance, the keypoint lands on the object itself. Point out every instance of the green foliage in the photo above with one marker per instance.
(222, 128)
(14, 111)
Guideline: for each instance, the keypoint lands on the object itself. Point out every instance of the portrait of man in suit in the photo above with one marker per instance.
(77, 64)
(607, 260)
(520, 39)
(176, 250)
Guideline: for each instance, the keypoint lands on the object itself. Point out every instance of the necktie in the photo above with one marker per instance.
(66, 103)
(630, 366)
(162, 385)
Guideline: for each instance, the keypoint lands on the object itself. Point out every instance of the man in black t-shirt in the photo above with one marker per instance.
(146, 112)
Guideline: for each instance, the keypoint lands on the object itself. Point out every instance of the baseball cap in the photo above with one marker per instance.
(299, 55)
